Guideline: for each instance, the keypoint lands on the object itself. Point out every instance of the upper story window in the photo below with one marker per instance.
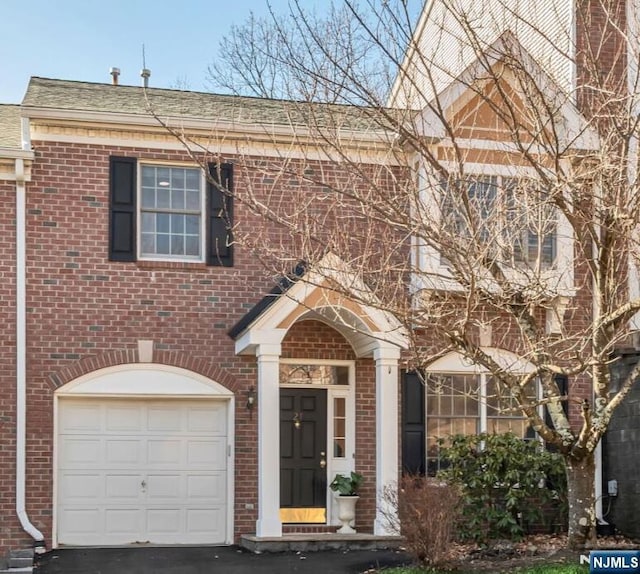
(170, 212)
(508, 217)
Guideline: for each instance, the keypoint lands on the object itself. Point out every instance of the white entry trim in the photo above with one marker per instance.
(144, 379)
(346, 464)
(148, 380)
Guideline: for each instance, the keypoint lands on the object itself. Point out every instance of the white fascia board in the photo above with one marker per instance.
(410, 52)
(372, 137)
(558, 282)
(263, 328)
(455, 362)
(14, 153)
(251, 339)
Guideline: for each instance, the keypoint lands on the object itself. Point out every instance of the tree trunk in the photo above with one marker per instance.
(581, 499)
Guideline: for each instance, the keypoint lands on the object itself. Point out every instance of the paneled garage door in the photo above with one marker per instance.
(137, 471)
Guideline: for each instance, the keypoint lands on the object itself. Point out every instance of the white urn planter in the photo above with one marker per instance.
(347, 486)
(347, 513)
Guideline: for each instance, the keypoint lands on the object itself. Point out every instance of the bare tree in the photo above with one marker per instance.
(278, 57)
(533, 255)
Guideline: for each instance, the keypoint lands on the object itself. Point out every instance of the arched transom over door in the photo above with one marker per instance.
(151, 465)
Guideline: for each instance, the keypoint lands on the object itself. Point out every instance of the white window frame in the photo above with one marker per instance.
(454, 364)
(433, 274)
(500, 184)
(203, 215)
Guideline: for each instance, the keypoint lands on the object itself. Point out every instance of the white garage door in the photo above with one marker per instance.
(136, 471)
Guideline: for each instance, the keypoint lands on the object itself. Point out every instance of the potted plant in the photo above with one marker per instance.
(347, 488)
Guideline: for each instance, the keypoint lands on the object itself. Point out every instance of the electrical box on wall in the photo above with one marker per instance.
(612, 488)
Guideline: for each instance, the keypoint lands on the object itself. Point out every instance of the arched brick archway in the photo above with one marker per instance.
(186, 361)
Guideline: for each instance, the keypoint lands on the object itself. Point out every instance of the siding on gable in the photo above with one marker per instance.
(446, 50)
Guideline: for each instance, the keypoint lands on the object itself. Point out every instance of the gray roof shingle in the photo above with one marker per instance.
(10, 135)
(93, 97)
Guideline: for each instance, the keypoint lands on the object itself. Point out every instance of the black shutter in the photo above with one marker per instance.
(122, 215)
(413, 424)
(220, 216)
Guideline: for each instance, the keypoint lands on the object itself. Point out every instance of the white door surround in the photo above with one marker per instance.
(371, 333)
(344, 463)
(143, 453)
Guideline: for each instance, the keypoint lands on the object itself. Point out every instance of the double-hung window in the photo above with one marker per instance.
(509, 219)
(170, 212)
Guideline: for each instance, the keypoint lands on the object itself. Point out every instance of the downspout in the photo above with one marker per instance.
(21, 349)
(597, 453)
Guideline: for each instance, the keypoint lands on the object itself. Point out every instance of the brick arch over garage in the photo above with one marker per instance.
(185, 361)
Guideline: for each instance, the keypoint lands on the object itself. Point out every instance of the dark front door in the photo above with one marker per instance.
(303, 450)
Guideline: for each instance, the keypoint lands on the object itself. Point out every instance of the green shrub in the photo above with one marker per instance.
(504, 483)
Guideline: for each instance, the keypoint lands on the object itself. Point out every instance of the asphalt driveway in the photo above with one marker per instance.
(216, 560)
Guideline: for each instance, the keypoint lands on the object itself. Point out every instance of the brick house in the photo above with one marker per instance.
(163, 388)
(152, 354)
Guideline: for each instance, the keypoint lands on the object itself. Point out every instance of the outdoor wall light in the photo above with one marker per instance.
(251, 398)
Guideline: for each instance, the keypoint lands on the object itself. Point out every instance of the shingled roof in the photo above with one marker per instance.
(10, 135)
(94, 97)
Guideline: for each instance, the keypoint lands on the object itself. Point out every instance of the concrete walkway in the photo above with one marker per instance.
(216, 560)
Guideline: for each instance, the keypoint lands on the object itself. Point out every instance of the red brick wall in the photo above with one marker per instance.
(84, 311)
(311, 339)
(601, 53)
(81, 306)
(366, 441)
(8, 533)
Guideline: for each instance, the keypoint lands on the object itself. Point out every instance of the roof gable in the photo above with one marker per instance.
(449, 35)
(491, 85)
(312, 292)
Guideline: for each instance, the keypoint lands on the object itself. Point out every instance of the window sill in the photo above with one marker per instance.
(559, 283)
(177, 265)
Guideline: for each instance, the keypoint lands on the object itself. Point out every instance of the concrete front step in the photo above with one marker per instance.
(314, 541)
(16, 570)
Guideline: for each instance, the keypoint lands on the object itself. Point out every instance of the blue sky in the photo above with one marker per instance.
(82, 39)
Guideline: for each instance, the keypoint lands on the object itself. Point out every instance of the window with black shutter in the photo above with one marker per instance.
(170, 212)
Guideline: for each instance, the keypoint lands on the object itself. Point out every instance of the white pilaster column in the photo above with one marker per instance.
(386, 358)
(268, 523)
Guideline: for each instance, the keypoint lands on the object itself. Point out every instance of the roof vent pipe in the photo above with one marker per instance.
(145, 74)
(115, 72)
